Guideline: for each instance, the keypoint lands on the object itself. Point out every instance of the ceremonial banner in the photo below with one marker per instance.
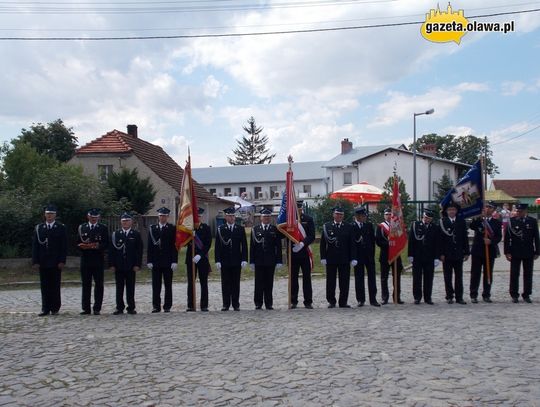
(397, 238)
(287, 220)
(188, 215)
(468, 193)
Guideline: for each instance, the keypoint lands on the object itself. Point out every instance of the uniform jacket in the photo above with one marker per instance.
(205, 237)
(265, 246)
(99, 235)
(453, 239)
(125, 252)
(337, 244)
(364, 239)
(161, 250)
(231, 247)
(423, 241)
(309, 228)
(521, 240)
(49, 247)
(478, 246)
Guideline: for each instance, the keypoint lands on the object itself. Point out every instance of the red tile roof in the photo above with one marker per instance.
(518, 188)
(116, 142)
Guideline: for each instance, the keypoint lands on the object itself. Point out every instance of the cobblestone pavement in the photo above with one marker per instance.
(413, 355)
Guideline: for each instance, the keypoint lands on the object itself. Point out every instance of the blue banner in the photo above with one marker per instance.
(468, 193)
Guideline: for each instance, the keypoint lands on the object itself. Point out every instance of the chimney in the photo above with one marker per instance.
(429, 149)
(132, 130)
(346, 146)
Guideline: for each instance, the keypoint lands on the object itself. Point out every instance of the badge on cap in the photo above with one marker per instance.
(163, 211)
(50, 208)
(94, 212)
(387, 210)
(229, 211)
(125, 216)
(428, 213)
(360, 210)
(338, 209)
(265, 212)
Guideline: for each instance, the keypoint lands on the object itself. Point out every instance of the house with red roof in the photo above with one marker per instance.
(116, 150)
(524, 190)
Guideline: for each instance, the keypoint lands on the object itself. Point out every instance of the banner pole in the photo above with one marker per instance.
(394, 281)
(193, 277)
(289, 270)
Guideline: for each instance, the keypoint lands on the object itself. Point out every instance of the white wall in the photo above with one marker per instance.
(318, 187)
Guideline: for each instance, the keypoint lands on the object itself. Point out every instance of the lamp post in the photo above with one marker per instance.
(430, 111)
(534, 158)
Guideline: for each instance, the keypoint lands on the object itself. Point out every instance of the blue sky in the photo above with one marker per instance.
(308, 91)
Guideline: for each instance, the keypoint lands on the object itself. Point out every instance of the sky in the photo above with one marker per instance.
(307, 90)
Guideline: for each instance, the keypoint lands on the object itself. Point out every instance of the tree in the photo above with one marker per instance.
(53, 139)
(465, 149)
(135, 193)
(408, 210)
(322, 211)
(252, 148)
(444, 185)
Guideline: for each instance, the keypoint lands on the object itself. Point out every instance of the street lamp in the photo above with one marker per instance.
(430, 111)
(534, 158)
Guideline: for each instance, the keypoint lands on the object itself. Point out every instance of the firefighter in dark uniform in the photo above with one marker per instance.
(93, 240)
(203, 237)
(482, 226)
(453, 250)
(521, 246)
(265, 257)
(300, 259)
(338, 254)
(162, 259)
(364, 238)
(231, 255)
(125, 258)
(49, 251)
(381, 238)
(423, 256)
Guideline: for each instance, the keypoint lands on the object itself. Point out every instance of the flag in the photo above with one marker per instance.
(397, 237)
(468, 193)
(188, 214)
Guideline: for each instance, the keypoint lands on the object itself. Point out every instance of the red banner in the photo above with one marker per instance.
(397, 238)
(188, 211)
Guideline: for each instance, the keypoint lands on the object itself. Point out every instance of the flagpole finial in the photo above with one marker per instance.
(395, 167)
(290, 160)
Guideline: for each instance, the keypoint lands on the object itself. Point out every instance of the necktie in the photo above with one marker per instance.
(48, 226)
(265, 228)
(92, 227)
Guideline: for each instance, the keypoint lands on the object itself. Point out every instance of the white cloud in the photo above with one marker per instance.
(512, 88)
(460, 131)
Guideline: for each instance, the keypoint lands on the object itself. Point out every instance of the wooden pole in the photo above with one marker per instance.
(193, 277)
(394, 281)
(289, 269)
(484, 182)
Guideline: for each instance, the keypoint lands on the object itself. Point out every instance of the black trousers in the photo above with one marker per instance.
(230, 286)
(202, 270)
(527, 276)
(359, 283)
(304, 264)
(125, 278)
(423, 272)
(92, 269)
(478, 269)
(455, 268)
(50, 278)
(165, 274)
(264, 284)
(343, 272)
(386, 271)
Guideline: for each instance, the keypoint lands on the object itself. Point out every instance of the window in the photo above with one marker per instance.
(257, 192)
(104, 171)
(347, 178)
(212, 191)
(306, 189)
(241, 190)
(447, 172)
(227, 191)
(274, 191)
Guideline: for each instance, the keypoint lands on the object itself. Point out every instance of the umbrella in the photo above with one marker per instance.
(238, 202)
(362, 192)
(537, 201)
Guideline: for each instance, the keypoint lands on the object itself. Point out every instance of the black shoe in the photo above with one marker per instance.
(345, 306)
(96, 312)
(428, 302)
(237, 308)
(155, 310)
(515, 300)
(360, 304)
(417, 302)
(269, 308)
(527, 300)
(487, 299)
(44, 313)
(132, 312)
(400, 302)
(167, 310)
(225, 309)
(331, 305)
(294, 306)
(54, 312)
(474, 300)
(450, 301)
(308, 306)
(375, 304)
(84, 313)
(258, 307)
(190, 309)
(118, 312)
(384, 302)
(202, 309)
(461, 302)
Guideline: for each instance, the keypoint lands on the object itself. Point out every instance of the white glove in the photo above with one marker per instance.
(252, 267)
(411, 258)
(196, 258)
(323, 262)
(243, 264)
(218, 265)
(297, 247)
(436, 262)
(150, 266)
(174, 266)
(279, 265)
(354, 263)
